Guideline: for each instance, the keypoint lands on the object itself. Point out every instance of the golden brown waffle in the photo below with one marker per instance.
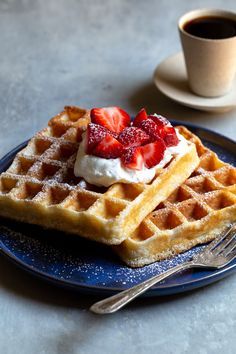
(194, 213)
(40, 187)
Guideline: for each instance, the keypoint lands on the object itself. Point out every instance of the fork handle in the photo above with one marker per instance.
(116, 302)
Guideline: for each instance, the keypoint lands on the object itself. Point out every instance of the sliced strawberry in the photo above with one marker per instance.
(108, 148)
(132, 158)
(133, 136)
(169, 135)
(150, 128)
(159, 120)
(113, 118)
(141, 116)
(95, 133)
(153, 153)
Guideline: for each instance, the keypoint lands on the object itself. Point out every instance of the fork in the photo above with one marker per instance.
(215, 255)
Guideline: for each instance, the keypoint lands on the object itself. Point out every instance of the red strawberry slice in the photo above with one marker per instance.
(153, 153)
(165, 130)
(132, 158)
(141, 116)
(150, 128)
(113, 118)
(159, 120)
(133, 136)
(108, 148)
(95, 133)
(169, 135)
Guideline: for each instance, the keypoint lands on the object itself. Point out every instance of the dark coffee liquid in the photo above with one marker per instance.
(210, 27)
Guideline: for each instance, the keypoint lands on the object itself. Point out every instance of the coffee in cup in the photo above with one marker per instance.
(209, 44)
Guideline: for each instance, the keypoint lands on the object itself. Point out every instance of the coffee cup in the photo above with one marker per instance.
(208, 39)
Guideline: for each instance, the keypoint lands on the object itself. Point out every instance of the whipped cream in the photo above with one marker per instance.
(105, 172)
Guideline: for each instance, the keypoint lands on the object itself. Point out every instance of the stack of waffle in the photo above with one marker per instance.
(40, 188)
(195, 213)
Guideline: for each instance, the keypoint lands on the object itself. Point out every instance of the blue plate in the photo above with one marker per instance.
(92, 268)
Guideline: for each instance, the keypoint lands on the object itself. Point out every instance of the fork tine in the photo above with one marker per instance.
(230, 248)
(218, 239)
(225, 243)
(230, 258)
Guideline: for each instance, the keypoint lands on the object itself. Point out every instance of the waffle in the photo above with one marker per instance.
(193, 214)
(40, 187)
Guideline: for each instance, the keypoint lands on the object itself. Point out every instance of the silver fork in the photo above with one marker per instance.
(216, 255)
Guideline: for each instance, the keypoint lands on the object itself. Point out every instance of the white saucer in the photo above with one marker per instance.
(170, 78)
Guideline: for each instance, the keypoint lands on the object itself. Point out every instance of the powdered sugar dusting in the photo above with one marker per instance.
(79, 261)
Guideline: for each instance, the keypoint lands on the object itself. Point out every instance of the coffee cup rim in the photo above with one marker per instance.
(193, 14)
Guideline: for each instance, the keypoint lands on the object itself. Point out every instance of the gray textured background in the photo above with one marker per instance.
(93, 53)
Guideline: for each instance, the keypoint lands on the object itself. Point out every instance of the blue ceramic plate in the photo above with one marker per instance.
(93, 268)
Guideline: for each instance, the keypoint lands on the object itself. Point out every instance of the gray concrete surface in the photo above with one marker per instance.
(93, 53)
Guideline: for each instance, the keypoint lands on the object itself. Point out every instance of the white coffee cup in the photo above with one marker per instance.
(210, 63)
